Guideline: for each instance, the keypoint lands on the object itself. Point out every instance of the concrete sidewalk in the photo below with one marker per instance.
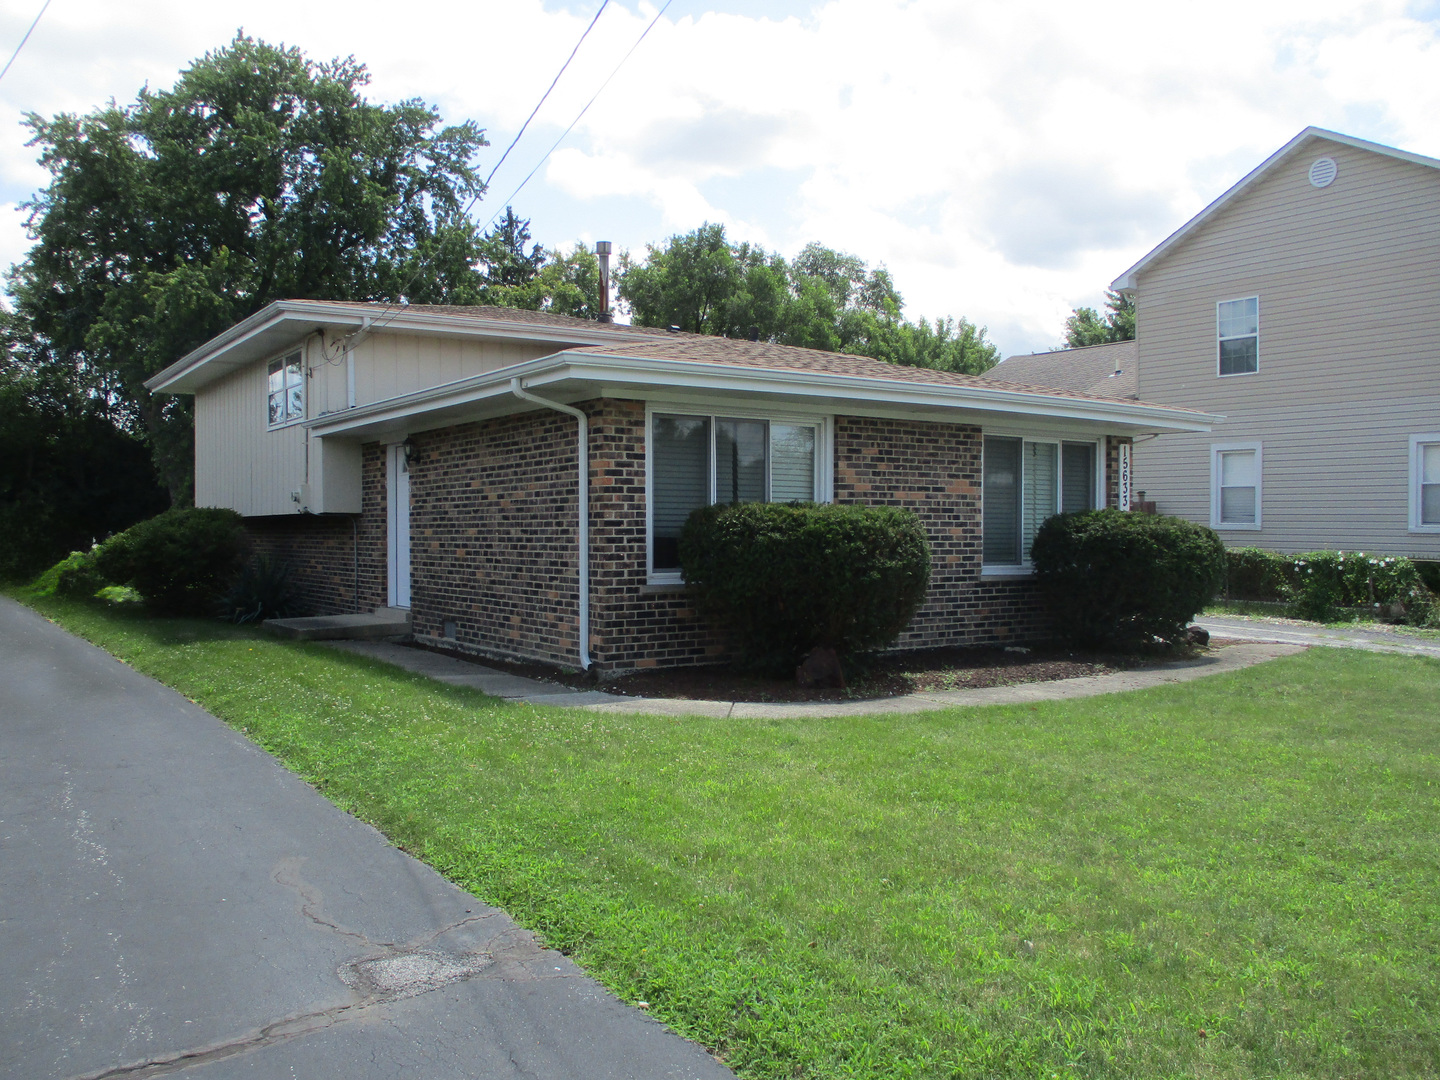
(177, 903)
(1243, 628)
(453, 672)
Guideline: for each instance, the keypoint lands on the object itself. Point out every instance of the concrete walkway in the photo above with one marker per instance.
(174, 902)
(455, 672)
(1242, 628)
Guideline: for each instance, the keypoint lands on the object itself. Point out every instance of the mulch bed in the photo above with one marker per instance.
(890, 675)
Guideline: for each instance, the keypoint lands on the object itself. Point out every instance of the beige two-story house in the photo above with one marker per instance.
(1303, 306)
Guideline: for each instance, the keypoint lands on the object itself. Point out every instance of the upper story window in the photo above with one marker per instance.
(1238, 329)
(1235, 486)
(1026, 481)
(286, 389)
(1425, 483)
(699, 460)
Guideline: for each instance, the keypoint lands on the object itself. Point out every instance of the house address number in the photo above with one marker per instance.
(1126, 477)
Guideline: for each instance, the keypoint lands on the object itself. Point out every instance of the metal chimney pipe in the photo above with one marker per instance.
(602, 250)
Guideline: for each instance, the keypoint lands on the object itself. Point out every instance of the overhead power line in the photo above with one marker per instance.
(24, 39)
(390, 308)
(543, 96)
(580, 114)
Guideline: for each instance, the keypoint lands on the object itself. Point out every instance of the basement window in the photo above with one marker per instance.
(285, 386)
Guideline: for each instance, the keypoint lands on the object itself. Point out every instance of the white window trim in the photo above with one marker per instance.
(824, 461)
(1216, 449)
(1416, 461)
(1025, 568)
(1237, 374)
(304, 388)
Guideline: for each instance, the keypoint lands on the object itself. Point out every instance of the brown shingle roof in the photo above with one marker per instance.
(760, 354)
(502, 314)
(1108, 371)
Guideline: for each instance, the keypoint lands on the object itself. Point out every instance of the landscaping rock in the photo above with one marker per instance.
(1197, 635)
(821, 667)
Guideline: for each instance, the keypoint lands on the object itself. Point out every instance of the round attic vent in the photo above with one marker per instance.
(1322, 172)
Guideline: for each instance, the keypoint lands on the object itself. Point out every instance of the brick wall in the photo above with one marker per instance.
(324, 553)
(493, 538)
(935, 471)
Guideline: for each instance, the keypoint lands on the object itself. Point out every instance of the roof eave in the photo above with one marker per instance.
(670, 375)
(183, 376)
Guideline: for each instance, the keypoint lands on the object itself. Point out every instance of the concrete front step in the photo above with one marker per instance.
(381, 623)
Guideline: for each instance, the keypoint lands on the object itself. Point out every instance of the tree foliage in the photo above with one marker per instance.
(260, 175)
(822, 299)
(68, 475)
(1086, 326)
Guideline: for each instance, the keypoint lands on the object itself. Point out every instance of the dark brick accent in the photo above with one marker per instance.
(324, 553)
(1112, 469)
(935, 470)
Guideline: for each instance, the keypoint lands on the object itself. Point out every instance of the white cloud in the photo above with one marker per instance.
(1005, 161)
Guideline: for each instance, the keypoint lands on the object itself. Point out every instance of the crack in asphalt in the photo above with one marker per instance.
(390, 972)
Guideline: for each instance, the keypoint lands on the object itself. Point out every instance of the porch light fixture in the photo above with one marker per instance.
(409, 448)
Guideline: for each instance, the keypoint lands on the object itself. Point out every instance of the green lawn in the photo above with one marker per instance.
(1232, 877)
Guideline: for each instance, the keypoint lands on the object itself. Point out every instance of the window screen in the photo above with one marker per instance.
(680, 478)
(1078, 476)
(1000, 494)
(740, 460)
(1042, 476)
(792, 463)
(1238, 481)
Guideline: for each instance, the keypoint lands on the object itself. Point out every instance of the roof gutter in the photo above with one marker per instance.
(582, 454)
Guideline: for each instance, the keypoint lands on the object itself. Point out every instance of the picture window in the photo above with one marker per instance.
(1025, 482)
(696, 461)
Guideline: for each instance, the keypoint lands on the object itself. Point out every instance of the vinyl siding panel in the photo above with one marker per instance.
(1348, 278)
(239, 462)
(242, 464)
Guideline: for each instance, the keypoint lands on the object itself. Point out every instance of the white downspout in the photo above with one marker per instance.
(583, 454)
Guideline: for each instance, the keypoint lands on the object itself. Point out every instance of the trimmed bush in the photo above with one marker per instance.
(181, 562)
(1329, 580)
(262, 591)
(785, 577)
(1116, 579)
(1255, 574)
(75, 575)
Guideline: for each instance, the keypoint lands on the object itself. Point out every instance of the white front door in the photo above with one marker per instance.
(397, 502)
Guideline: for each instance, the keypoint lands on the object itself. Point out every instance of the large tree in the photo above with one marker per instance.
(1086, 326)
(822, 299)
(260, 175)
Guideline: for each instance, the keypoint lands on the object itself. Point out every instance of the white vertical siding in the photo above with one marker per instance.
(239, 462)
(242, 464)
(1348, 278)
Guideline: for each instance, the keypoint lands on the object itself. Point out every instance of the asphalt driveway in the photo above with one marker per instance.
(174, 902)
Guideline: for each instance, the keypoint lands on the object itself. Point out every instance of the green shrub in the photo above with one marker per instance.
(75, 575)
(262, 590)
(1254, 574)
(783, 578)
(1111, 578)
(1328, 580)
(181, 562)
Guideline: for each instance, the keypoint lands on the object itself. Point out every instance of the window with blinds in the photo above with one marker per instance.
(699, 460)
(1026, 481)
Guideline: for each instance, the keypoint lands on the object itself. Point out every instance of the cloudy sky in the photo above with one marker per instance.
(1005, 161)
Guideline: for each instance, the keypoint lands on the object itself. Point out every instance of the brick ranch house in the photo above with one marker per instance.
(428, 458)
